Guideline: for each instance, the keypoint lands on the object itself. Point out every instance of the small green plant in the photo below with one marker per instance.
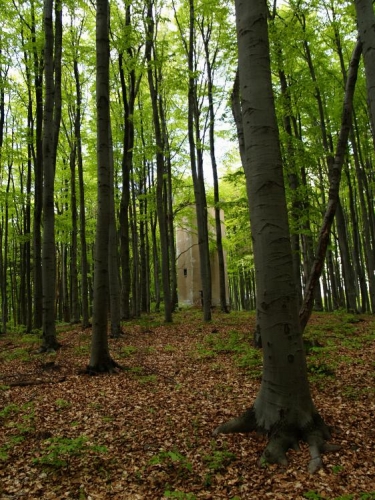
(219, 460)
(148, 379)
(82, 349)
(336, 469)
(62, 403)
(172, 459)
(169, 348)
(19, 354)
(127, 351)
(9, 411)
(60, 450)
(312, 495)
(179, 494)
(4, 453)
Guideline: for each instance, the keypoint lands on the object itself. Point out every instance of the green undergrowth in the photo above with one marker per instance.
(57, 452)
(19, 423)
(312, 495)
(235, 343)
(323, 338)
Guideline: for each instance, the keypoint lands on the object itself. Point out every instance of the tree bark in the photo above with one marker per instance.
(283, 408)
(333, 195)
(196, 161)
(160, 168)
(219, 237)
(51, 126)
(82, 207)
(366, 31)
(100, 359)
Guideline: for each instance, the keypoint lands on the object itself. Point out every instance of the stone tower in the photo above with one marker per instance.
(188, 266)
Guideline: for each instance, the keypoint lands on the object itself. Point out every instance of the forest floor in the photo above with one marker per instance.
(146, 432)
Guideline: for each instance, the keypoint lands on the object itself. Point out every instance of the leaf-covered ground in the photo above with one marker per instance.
(146, 432)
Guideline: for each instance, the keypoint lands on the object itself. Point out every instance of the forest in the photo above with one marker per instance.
(248, 125)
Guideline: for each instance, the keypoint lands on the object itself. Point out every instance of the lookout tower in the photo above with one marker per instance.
(189, 282)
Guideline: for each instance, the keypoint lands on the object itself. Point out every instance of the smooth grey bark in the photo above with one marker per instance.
(127, 160)
(210, 60)
(356, 251)
(334, 180)
(100, 359)
(366, 30)
(292, 174)
(160, 167)
(82, 207)
(196, 162)
(129, 90)
(38, 65)
(283, 408)
(347, 267)
(51, 126)
(113, 257)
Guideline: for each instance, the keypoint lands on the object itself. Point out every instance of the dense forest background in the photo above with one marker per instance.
(175, 144)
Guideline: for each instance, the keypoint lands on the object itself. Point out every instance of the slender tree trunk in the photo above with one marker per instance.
(218, 222)
(357, 245)
(333, 196)
(113, 258)
(82, 207)
(38, 176)
(160, 167)
(196, 162)
(348, 273)
(100, 359)
(75, 316)
(51, 125)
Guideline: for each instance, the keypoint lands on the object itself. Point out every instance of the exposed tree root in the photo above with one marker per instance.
(48, 349)
(283, 436)
(24, 383)
(110, 366)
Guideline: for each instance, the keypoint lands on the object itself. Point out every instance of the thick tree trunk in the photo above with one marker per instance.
(366, 31)
(283, 408)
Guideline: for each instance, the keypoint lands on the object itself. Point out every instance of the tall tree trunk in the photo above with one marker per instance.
(364, 301)
(196, 162)
(82, 206)
(333, 195)
(38, 175)
(100, 359)
(74, 309)
(347, 268)
(366, 31)
(218, 222)
(160, 168)
(51, 125)
(113, 258)
(283, 408)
